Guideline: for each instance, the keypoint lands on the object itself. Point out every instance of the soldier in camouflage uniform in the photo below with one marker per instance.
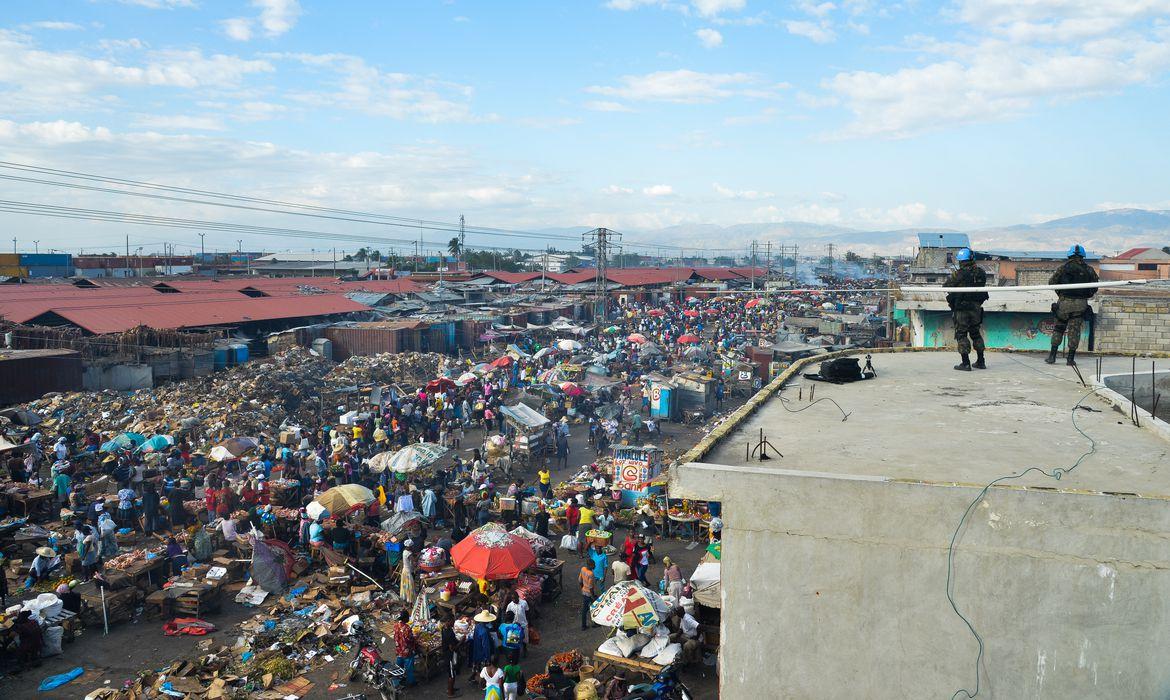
(967, 309)
(1071, 304)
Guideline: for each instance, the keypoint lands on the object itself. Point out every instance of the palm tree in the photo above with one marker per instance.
(453, 246)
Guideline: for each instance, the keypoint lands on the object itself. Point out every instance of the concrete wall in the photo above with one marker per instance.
(1133, 324)
(118, 377)
(1016, 330)
(834, 587)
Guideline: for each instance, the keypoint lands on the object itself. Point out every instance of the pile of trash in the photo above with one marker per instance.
(389, 368)
(252, 399)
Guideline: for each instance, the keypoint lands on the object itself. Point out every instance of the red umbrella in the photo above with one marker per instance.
(688, 338)
(655, 312)
(752, 303)
(440, 384)
(636, 338)
(492, 553)
(690, 313)
(502, 361)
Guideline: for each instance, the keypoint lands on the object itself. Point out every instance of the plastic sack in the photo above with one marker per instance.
(627, 645)
(654, 647)
(61, 679)
(52, 640)
(668, 655)
(610, 647)
(200, 549)
(569, 542)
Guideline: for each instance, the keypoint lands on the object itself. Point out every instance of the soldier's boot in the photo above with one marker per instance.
(1051, 359)
(1072, 357)
(979, 363)
(965, 365)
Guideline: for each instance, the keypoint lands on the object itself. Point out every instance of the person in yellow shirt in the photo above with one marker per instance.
(545, 481)
(357, 432)
(585, 524)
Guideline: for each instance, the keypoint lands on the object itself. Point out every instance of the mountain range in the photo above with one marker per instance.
(1103, 232)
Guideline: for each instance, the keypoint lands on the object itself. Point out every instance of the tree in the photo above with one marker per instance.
(453, 246)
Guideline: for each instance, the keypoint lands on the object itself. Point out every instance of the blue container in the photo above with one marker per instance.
(46, 260)
(237, 353)
(219, 357)
(50, 271)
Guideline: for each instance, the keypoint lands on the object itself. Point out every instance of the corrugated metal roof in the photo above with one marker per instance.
(1035, 254)
(1131, 253)
(172, 312)
(510, 277)
(944, 240)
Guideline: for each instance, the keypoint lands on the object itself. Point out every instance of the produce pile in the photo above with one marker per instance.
(571, 661)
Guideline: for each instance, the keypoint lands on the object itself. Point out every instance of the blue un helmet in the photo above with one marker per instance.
(963, 255)
(1076, 250)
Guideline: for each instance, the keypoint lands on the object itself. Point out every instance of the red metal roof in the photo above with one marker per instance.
(1131, 253)
(510, 277)
(641, 276)
(173, 311)
(717, 273)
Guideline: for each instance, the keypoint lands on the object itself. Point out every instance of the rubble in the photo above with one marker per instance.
(389, 368)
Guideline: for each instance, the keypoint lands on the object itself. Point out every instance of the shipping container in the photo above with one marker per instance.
(366, 339)
(9, 259)
(44, 271)
(13, 271)
(46, 260)
(29, 374)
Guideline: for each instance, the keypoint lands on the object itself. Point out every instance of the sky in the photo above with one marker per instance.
(630, 114)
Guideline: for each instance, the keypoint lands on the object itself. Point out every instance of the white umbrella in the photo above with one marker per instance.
(315, 510)
(569, 345)
(542, 352)
(414, 456)
(466, 378)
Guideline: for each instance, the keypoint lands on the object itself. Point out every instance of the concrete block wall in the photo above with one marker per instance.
(1133, 324)
(835, 587)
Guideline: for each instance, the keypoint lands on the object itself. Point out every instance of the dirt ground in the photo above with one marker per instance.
(131, 647)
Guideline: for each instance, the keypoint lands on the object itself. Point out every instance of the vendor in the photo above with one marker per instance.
(685, 631)
(70, 599)
(341, 539)
(43, 564)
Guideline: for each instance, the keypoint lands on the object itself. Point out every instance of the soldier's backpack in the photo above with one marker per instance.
(842, 370)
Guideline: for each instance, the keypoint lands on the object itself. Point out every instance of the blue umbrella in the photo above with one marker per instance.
(157, 443)
(124, 442)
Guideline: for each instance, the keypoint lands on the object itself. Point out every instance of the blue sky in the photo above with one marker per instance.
(633, 114)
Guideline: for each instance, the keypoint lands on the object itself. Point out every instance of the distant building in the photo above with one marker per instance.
(1018, 268)
(1137, 263)
(936, 254)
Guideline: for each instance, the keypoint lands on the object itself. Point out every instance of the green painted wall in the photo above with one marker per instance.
(1014, 330)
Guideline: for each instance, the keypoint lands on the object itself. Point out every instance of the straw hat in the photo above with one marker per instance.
(47, 552)
(485, 616)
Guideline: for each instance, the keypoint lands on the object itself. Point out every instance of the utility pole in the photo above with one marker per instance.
(768, 262)
(601, 239)
(462, 238)
(14, 246)
(416, 254)
(335, 261)
(890, 302)
(830, 247)
(544, 268)
(752, 263)
(37, 247)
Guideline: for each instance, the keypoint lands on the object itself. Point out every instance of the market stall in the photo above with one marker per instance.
(528, 430)
(633, 470)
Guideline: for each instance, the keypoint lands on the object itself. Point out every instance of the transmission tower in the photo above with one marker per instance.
(602, 240)
(830, 248)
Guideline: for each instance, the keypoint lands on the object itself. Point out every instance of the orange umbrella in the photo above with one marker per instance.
(688, 338)
(492, 553)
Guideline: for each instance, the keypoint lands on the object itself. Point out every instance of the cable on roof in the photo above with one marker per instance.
(1056, 473)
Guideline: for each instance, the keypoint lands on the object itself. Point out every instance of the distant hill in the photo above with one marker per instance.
(1105, 232)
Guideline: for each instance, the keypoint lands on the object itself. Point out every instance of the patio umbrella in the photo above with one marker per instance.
(124, 442)
(380, 461)
(542, 352)
(650, 349)
(465, 379)
(752, 303)
(636, 338)
(412, 457)
(492, 553)
(629, 604)
(441, 384)
(655, 312)
(233, 448)
(502, 361)
(690, 313)
(689, 339)
(568, 345)
(156, 443)
(396, 524)
(342, 499)
(611, 330)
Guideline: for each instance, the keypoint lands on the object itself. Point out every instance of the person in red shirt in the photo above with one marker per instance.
(573, 513)
(209, 499)
(405, 646)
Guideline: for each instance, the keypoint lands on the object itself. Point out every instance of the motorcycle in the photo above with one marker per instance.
(370, 668)
(666, 686)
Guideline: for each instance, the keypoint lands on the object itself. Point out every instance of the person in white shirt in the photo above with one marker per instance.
(519, 609)
(687, 635)
(62, 450)
(621, 570)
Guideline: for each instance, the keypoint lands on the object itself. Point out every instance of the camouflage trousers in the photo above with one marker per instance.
(967, 334)
(1070, 317)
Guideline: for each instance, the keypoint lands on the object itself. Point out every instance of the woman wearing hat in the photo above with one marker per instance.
(482, 643)
(87, 549)
(42, 565)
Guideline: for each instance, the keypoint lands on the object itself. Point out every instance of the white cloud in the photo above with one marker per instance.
(53, 26)
(276, 17)
(687, 86)
(658, 191)
(547, 122)
(616, 190)
(607, 106)
(35, 79)
(180, 122)
(729, 193)
(909, 214)
(815, 9)
(709, 38)
(159, 4)
(356, 85)
(810, 213)
(764, 116)
(1014, 58)
(53, 133)
(818, 32)
(710, 8)
(626, 5)
(238, 28)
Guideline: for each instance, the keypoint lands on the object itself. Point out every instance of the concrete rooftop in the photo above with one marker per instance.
(920, 420)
